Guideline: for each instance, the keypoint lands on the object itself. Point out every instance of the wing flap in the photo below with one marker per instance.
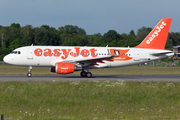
(108, 58)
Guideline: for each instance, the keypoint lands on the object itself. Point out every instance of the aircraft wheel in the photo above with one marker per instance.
(29, 74)
(83, 74)
(89, 74)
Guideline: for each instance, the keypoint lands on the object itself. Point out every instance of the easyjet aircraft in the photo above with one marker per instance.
(67, 59)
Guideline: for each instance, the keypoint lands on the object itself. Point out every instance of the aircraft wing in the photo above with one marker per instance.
(91, 59)
(85, 60)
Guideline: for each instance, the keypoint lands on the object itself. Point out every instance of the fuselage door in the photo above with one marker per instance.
(29, 53)
(136, 55)
(116, 52)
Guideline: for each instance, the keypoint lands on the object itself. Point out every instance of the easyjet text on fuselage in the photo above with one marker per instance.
(66, 52)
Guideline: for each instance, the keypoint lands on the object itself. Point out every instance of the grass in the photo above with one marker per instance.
(8, 69)
(89, 100)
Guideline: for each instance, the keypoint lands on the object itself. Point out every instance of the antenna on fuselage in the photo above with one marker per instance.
(106, 45)
(32, 45)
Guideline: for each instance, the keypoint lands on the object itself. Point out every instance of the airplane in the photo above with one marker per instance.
(67, 59)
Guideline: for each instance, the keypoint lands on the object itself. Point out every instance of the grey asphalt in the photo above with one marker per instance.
(172, 78)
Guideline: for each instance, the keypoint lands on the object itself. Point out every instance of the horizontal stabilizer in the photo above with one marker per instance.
(161, 53)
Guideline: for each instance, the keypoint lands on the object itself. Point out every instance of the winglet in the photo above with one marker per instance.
(158, 36)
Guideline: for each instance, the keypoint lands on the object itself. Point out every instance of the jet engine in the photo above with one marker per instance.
(64, 68)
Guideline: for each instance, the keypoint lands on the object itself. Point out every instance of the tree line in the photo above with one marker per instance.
(15, 36)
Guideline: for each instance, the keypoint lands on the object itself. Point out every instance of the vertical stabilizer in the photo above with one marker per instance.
(156, 39)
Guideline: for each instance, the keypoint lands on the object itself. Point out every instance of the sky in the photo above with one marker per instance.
(94, 16)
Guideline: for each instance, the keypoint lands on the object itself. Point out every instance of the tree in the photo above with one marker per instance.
(110, 36)
(132, 39)
(16, 25)
(15, 44)
(175, 38)
(27, 35)
(142, 33)
(2, 31)
(169, 43)
(70, 29)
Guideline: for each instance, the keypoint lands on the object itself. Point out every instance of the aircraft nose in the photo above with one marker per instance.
(6, 59)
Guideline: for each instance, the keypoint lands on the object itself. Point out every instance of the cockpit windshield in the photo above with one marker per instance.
(15, 52)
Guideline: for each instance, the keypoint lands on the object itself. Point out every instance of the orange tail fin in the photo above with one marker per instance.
(158, 36)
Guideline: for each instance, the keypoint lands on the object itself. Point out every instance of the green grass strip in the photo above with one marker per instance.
(89, 100)
(9, 69)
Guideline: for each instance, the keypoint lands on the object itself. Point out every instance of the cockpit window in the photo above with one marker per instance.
(12, 52)
(16, 52)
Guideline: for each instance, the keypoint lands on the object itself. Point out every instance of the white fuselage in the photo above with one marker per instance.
(50, 55)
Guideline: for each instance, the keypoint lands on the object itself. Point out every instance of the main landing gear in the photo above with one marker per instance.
(29, 73)
(86, 74)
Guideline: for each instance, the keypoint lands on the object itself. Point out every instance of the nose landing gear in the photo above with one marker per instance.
(29, 73)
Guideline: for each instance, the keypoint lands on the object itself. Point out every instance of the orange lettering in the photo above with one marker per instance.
(38, 52)
(56, 52)
(47, 52)
(85, 53)
(93, 52)
(77, 52)
(66, 53)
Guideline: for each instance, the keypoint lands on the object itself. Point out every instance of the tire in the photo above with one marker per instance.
(29, 74)
(89, 74)
(83, 74)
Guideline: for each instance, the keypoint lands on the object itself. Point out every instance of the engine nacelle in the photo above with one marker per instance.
(64, 68)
